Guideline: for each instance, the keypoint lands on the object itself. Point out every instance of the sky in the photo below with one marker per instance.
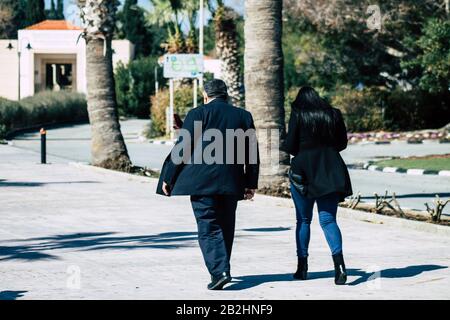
(70, 6)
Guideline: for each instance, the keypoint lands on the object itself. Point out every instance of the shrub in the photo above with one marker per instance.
(183, 102)
(11, 115)
(363, 110)
(397, 110)
(135, 83)
(42, 109)
(416, 109)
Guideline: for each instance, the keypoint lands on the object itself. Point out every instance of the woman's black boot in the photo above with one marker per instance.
(340, 273)
(302, 269)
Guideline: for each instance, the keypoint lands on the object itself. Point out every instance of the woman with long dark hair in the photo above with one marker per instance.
(316, 135)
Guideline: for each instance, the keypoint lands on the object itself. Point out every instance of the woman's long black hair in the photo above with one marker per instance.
(315, 115)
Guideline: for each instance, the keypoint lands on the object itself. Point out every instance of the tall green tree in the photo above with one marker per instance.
(341, 42)
(133, 27)
(51, 13)
(432, 64)
(35, 12)
(12, 14)
(60, 10)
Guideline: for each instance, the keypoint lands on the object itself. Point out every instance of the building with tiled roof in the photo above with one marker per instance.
(49, 55)
(53, 25)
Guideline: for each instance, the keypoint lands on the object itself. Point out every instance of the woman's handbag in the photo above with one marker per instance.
(299, 182)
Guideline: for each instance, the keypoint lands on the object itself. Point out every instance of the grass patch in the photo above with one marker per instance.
(430, 163)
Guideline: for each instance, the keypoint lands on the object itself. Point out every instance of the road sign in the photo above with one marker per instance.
(177, 66)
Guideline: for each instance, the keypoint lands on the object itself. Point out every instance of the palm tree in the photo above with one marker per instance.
(191, 11)
(264, 86)
(227, 49)
(169, 13)
(108, 146)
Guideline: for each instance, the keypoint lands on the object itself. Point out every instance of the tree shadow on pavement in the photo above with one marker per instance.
(37, 184)
(38, 248)
(11, 295)
(250, 281)
(406, 272)
(275, 229)
(247, 282)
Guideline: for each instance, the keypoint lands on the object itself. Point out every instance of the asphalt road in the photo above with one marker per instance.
(73, 143)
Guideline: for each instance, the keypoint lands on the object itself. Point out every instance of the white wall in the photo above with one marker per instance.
(47, 42)
(213, 66)
(123, 51)
(9, 74)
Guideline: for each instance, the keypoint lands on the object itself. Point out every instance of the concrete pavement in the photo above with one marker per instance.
(74, 232)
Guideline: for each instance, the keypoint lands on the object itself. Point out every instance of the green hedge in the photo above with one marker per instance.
(42, 108)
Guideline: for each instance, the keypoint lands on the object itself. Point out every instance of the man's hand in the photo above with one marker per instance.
(249, 194)
(166, 189)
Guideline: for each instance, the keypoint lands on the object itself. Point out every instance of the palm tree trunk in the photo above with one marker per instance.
(264, 94)
(107, 147)
(228, 51)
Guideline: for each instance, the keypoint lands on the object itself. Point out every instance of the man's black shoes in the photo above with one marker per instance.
(217, 283)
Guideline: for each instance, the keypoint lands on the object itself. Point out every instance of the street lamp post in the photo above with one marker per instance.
(19, 54)
(10, 47)
(156, 80)
(201, 37)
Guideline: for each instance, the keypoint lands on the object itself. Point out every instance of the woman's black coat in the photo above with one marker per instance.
(319, 162)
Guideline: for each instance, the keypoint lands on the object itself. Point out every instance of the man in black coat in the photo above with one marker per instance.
(216, 162)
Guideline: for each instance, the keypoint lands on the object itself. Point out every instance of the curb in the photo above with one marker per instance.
(417, 172)
(130, 176)
(394, 222)
(162, 142)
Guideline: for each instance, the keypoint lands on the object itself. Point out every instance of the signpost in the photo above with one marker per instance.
(179, 66)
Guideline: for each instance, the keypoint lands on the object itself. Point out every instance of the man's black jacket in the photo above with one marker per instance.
(230, 172)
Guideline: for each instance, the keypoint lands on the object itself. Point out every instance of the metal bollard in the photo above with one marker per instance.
(43, 146)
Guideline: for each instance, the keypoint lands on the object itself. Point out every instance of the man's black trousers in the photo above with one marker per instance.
(216, 217)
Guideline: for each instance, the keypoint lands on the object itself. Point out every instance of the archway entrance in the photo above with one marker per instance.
(55, 72)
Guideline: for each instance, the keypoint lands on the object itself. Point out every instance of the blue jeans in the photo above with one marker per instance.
(327, 206)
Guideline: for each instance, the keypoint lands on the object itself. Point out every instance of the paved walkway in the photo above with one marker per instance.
(74, 232)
